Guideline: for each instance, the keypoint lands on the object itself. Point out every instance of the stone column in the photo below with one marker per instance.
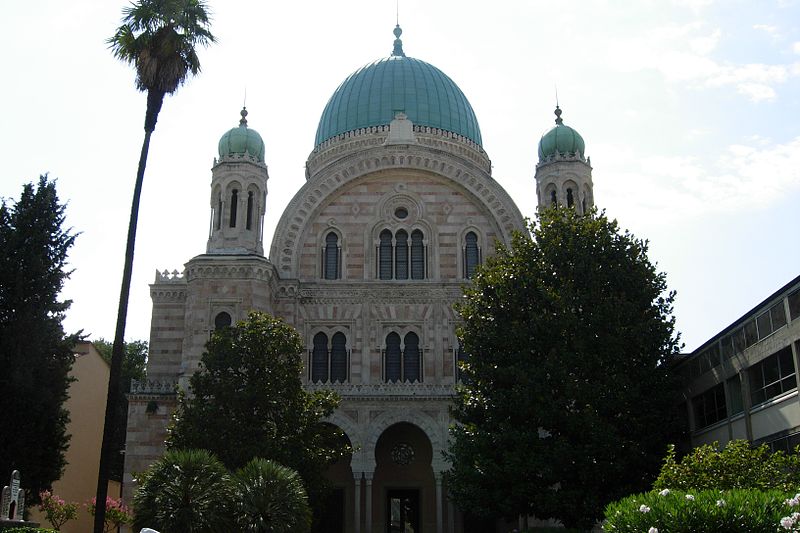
(357, 503)
(368, 503)
(439, 517)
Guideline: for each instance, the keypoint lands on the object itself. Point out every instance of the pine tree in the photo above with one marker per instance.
(35, 354)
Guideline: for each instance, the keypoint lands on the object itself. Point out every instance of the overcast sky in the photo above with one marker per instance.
(690, 110)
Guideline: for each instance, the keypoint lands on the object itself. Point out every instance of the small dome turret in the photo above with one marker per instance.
(561, 139)
(242, 141)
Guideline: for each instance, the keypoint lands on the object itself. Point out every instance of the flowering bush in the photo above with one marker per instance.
(56, 510)
(675, 511)
(116, 513)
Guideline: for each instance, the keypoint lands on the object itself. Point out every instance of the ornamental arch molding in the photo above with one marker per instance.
(308, 201)
(418, 419)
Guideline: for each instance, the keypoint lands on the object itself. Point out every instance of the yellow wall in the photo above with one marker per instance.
(86, 406)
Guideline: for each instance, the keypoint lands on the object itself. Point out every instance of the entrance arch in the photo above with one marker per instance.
(332, 515)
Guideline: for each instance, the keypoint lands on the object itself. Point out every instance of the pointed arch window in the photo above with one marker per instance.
(385, 255)
(222, 320)
(393, 364)
(553, 199)
(417, 255)
(234, 206)
(319, 359)
(472, 254)
(338, 358)
(250, 207)
(331, 257)
(218, 214)
(570, 199)
(411, 358)
(401, 255)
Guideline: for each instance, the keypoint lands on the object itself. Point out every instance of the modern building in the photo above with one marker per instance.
(742, 383)
(398, 208)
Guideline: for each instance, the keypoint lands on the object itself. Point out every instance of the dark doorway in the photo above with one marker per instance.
(402, 511)
(330, 517)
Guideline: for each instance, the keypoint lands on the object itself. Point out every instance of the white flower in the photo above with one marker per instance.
(644, 509)
(664, 492)
(720, 503)
(795, 516)
(787, 522)
(794, 502)
(690, 497)
(652, 530)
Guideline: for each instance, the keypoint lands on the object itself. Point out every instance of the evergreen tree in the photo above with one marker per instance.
(247, 401)
(35, 354)
(567, 402)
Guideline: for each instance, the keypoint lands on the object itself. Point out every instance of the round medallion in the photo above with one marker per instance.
(402, 453)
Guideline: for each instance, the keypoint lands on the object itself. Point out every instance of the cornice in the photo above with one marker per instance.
(386, 391)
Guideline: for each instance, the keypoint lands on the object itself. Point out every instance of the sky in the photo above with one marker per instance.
(690, 110)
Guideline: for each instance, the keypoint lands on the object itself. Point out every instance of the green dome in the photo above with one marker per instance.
(375, 93)
(562, 139)
(242, 140)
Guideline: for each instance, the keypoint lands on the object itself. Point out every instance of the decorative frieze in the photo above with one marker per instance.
(153, 387)
(387, 391)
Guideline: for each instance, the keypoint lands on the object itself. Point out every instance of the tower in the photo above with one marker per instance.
(563, 173)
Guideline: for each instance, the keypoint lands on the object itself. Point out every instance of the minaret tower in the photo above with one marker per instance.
(238, 193)
(563, 173)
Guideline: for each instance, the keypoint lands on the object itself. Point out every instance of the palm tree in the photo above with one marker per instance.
(270, 498)
(186, 491)
(158, 37)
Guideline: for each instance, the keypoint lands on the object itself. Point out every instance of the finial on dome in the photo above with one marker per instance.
(398, 44)
(243, 120)
(559, 120)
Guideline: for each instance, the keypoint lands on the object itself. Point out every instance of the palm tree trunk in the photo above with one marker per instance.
(154, 101)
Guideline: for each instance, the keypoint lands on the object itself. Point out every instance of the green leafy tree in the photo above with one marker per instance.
(186, 491)
(738, 465)
(133, 367)
(159, 38)
(270, 498)
(566, 400)
(247, 401)
(35, 354)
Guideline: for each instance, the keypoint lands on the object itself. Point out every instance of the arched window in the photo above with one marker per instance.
(338, 358)
(218, 214)
(392, 358)
(222, 320)
(411, 358)
(234, 205)
(417, 255)
(471, 254)
(249, 210)
(553, 200)
(461, 357)
(401, 255)
(319, 359)
(570, 199)
(583, 206)
(385, 255)
(331, 257)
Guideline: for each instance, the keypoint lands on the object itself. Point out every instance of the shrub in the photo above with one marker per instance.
(116, 513)
(270, 498)
(56, 510)
(737, 466)
(185, 491)
(705, 511)
(26, 529)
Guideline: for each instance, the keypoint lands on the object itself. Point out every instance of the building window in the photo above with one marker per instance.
(709, 407)
(794, 305)
(553, 199)
(250, 206)
(339, 358)
(771, 320)
(319, 359)
(330, 364)
(402, 363)
(570, 199)
(331, 257)
(218, 214)
(773, 376)
(222, 320)
(785, 444)
(735, 402)
(472, 257)
(394, 259)
(234, 206)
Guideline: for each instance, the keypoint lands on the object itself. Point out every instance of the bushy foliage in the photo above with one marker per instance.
(35, 354)
(738, 465)
(270, 498)
(567, 400)
(56, 510)
(248, 401)
(27, 529)
(704, 511)
(117, 514)
(186, 491)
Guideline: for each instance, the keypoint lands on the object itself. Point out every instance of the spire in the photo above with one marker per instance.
(559, 120)
(243, 120)
(398, 44)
